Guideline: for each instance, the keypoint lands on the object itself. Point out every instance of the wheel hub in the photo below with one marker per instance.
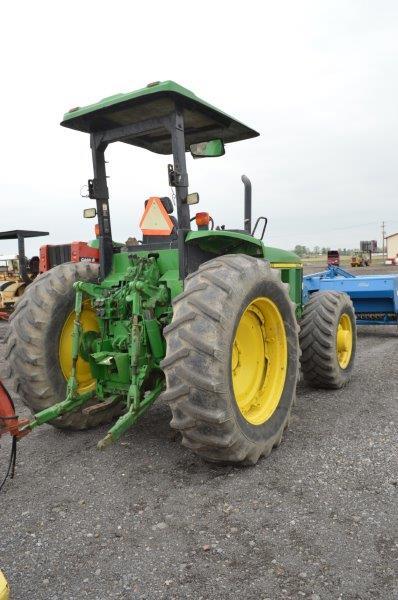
(344, 341)
(259, 360)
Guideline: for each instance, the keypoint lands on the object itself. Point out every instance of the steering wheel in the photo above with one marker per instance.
(210, 219)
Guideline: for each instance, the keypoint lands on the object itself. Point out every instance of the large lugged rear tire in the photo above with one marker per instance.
(328, 340)
(232, 360)
(38, 343)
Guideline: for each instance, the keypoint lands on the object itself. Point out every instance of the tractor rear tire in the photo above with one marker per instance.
(33, 343)
(232, 360)
(328, 340)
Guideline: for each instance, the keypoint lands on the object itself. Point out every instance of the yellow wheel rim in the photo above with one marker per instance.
(344, 341)
(259, 361)
(88, 319)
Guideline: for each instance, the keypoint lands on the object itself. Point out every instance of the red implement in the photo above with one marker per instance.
(9, 421)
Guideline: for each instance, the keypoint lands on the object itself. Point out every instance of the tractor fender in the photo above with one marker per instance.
(221, 242)
(238, 242)
(5, 284)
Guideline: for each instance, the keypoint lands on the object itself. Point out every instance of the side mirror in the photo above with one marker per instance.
(192, 199)
(89, 213)
(208, 149)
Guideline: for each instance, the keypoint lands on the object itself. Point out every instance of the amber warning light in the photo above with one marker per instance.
(202, 220)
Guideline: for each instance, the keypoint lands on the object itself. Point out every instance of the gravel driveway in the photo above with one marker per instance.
(146, 519)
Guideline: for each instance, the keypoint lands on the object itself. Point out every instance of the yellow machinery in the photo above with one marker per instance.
(11, 284)
(4, 589)
(16, 271)
(359, 260)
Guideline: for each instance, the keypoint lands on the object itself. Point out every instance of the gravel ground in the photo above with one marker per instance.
(318, 519)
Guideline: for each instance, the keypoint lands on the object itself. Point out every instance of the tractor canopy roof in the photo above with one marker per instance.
(202, 121)
(25, 233)
(6, 257)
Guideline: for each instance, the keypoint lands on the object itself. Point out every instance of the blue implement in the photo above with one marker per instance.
(375, 297)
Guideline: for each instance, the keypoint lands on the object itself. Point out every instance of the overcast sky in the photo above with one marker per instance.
(317, 79)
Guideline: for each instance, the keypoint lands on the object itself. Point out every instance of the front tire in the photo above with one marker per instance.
(328, 340)
(232, 360)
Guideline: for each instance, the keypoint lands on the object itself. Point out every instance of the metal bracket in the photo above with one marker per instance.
(97, 189)
(174, 176)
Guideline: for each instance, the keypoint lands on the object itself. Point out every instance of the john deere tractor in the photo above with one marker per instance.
(203, 315)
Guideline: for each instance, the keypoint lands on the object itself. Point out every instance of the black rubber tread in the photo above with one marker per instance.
(32, 343)
(319, 324)
(197, 365)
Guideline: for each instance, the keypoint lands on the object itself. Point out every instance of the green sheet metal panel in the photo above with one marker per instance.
(202, 120)
(225, 242)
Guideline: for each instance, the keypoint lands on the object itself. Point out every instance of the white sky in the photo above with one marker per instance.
(317, 79)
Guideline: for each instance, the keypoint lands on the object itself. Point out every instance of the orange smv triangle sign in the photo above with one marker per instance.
(155, 220)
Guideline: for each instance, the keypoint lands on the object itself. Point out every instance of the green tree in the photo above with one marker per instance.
(300, 250)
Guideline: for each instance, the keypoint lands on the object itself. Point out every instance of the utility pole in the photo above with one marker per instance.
(383, 233)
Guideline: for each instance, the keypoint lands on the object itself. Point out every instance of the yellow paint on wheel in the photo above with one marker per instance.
(344, 341)
(4, 589)
(89, 322)
(259, 361)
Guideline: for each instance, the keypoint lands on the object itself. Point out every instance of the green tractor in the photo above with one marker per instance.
(205, 318)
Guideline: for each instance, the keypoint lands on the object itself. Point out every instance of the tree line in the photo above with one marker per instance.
(318, 250)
